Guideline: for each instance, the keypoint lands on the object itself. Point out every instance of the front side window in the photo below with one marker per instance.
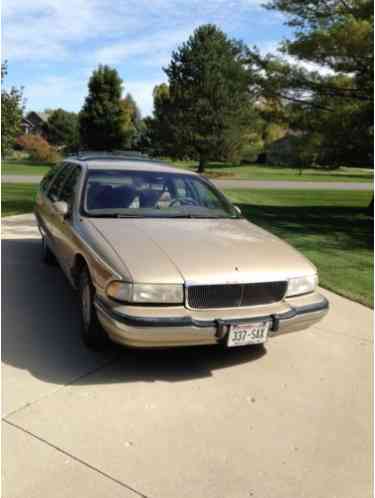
(67, 190)
(54, 189)
(44, 184)
(121, 193)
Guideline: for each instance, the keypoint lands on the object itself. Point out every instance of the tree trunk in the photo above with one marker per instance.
(202, 164)
(370, 208)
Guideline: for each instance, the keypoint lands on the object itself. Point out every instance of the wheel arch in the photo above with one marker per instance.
(80, 262)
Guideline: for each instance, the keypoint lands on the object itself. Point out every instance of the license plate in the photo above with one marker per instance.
(248, 333)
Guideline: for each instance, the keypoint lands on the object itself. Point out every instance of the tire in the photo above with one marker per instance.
(47, 255)
(92, 333)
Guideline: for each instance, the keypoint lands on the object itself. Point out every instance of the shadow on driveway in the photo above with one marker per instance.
(40, 332)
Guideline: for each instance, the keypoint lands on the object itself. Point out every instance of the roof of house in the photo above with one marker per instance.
(43, 116)
(26, 121)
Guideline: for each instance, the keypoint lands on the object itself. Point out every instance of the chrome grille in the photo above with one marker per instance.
(234, 295)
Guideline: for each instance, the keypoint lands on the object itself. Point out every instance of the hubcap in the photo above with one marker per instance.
(86, 306)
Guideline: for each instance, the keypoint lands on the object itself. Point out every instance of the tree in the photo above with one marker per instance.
(208, 96)
(335, 101)
(101, 120)
(12, 106)
(63, 129)
(158, 136)
(132, 121)
(38, 148)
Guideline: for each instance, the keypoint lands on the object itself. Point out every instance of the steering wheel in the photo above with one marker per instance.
(185, 201)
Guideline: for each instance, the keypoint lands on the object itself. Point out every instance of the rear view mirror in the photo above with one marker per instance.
(238, 209)
(62, 208)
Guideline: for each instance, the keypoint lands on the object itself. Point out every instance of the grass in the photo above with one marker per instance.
(329, 227)
(23, 167)
(280, 173)
(17, 198)
(227, 171)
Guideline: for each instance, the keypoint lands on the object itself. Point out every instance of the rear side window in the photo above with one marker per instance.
(57, 182)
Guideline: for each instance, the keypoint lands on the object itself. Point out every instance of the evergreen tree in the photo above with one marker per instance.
(207, 106)
(101, 120)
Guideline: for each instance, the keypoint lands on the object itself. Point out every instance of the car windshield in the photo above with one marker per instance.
(140, 194)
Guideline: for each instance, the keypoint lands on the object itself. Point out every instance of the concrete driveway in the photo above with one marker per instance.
(293, 421)
(241, 184)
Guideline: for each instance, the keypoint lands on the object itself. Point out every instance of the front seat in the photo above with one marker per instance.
(149, 198)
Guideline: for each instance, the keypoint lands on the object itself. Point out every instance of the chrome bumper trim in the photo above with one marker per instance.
(188, 321)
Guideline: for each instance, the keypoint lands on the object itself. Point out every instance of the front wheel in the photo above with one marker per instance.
(92, 333)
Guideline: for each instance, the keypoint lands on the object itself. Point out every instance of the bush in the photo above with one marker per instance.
(38, 148)
(251, 152)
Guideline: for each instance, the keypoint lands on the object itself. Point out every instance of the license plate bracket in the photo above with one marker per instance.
(243, 334)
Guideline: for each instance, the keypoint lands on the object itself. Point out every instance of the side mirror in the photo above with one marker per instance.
(62, 208)
(238, 209)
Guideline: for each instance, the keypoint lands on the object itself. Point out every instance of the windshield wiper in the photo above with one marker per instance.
(129, 216)
(160, 215)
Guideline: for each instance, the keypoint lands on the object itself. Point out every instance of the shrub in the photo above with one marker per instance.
(38, 148)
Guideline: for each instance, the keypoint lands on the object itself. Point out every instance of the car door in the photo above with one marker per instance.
(64, 238)
(51, 217)
(41, 202)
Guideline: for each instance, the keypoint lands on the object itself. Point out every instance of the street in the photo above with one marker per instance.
(245, 184)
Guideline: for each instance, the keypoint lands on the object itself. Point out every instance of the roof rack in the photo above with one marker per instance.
(113, 154)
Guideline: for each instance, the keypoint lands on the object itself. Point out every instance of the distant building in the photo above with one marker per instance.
(35, 123)
(26, 126)
(283, 152)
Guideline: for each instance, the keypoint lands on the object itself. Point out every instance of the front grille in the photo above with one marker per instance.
(235, 295)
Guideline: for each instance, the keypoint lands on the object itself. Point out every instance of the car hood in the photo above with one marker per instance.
(200, 250)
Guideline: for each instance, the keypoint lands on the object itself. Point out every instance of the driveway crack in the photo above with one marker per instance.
(70, 383)
(77, 459)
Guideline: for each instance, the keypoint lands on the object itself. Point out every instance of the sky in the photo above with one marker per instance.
(52, 46)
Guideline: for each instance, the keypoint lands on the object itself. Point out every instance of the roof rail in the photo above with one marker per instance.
(101, 154)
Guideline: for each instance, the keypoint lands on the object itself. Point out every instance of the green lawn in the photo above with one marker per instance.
(23, 168)
(228, 171)
(267, 172)
(17, 198)
(329, 227)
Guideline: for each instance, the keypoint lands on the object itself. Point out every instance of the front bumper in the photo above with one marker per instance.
(146, 327)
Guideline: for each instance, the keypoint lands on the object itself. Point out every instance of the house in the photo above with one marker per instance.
(26, 126)
(284, 151)
(38, 121)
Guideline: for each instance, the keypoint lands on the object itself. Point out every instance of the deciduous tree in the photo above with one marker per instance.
(63, 129)
(132, 121)
(326, 73)
(12, 105)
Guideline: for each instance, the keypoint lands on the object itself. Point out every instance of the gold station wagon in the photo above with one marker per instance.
(161, 258)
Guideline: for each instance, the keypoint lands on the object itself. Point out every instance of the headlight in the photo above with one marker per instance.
(301, 285)
(146, 293)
